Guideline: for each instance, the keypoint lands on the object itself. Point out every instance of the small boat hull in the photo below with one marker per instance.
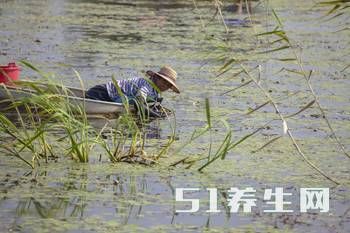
(8, 94)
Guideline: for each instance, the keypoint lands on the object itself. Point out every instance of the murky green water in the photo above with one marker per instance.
(126, 38)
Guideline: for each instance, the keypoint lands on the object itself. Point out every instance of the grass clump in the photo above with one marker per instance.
(49, 120)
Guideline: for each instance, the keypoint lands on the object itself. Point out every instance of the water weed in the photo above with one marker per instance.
(276, 42)
(49, 108)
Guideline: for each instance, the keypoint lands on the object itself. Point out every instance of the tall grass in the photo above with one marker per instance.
(222, 150)
(277, 40)
(50, 120)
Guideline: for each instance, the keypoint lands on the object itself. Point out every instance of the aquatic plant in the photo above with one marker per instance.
(226, 145)
(25, 135)
(283, 38)
(277, 40)
(49, 110)
(337, 7)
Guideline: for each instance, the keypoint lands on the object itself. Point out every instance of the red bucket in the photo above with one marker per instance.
(9, 73)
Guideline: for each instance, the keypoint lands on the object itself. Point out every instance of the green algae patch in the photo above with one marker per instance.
(101, 39)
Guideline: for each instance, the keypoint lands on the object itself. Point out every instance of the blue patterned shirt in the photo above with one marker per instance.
(132, 88)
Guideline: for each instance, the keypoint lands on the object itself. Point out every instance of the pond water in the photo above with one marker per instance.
(126, 38)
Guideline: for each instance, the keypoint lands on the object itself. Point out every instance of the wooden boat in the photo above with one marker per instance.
(76, 96)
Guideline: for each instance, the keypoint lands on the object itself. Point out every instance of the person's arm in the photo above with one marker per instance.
(147, 95)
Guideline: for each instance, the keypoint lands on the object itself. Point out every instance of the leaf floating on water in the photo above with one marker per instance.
(335, 16)
(343, 29)
(277, 18)
(291, 71)
(327, 3)
(285, 59)
(267, 143)
(233, 145)
(274, 32)
(333, 9)
(236, 88)
(277, 41)
(207, 111)
(257, 108)
(232, 60)
(303, 109)
(309, 76)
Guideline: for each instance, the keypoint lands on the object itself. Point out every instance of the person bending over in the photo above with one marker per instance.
(140, 89)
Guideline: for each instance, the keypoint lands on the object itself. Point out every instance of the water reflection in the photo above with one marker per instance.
(152, 129)
(56, 208)
(100, 38)
(119, 197)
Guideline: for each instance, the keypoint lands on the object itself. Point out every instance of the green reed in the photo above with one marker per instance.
(222, 150)
(129, 128)
(277, 40)
(50, 120)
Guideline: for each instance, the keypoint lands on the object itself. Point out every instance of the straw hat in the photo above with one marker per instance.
(167, 73)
